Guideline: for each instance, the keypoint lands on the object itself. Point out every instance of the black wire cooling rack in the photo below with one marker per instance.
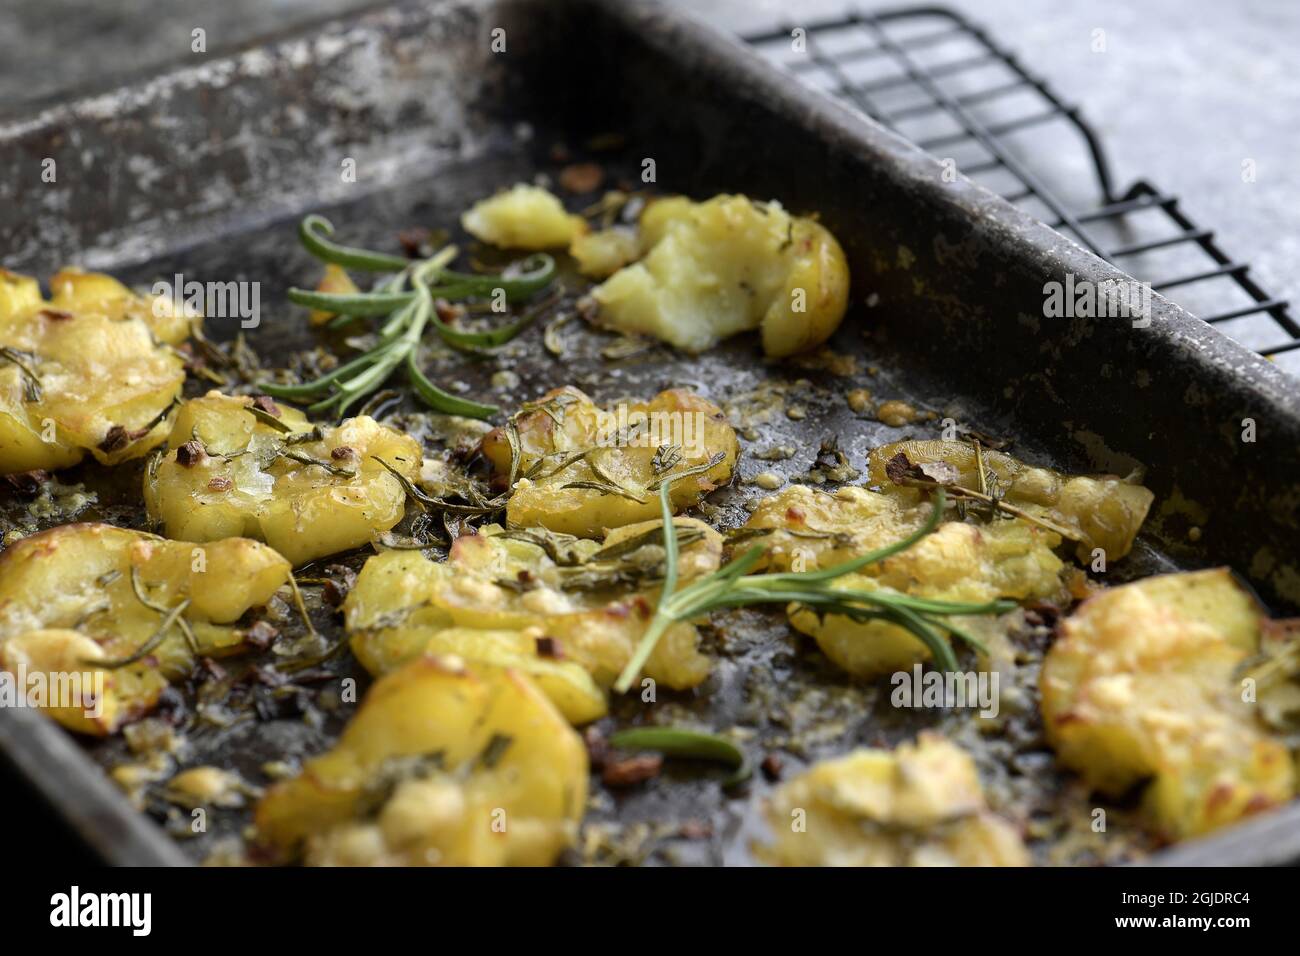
(931, 75)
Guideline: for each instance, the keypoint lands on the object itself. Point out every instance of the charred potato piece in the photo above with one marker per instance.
(570, 621)
(71, 603)
(89, 370)
(306, 493)
(1106, 512)
(920, 805)
(804, 529)
(1143, 684)
(522, 217)
(728, 265)
(445, 763)
(583, 470)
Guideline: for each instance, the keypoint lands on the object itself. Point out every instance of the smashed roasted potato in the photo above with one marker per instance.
(445, 763)
(582, 469)
(91, 369)
(920, 805)
(713, 269)
(567, 611)
(1100, 511)
(251, 467)
(84, 599)
(602, 253)
(1143, 684)
(523, 217)
(804, 529)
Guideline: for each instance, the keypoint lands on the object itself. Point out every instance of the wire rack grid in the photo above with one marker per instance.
(932, 75)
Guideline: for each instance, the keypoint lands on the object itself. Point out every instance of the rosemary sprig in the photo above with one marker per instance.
(408, 311)
(731, 586)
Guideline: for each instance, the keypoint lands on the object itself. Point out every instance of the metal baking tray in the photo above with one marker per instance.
(204, 170)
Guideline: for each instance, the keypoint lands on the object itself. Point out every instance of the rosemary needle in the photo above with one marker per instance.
(732, 586)
(173, 615)
(691, 744)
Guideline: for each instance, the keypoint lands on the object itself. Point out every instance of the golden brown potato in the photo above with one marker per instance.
(75, 291)
(1106, 512)
(335, 281)
(1142, 685)
(600, 254)
(808, 529)
(920, 805)
(571, 622)
(445, 763)
(729, 265)
(89, 370)
(565, 440)
(522, 217)
(306, 493)
(71, 601)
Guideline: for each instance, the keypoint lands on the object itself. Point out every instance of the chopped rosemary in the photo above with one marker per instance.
(496, 749)
(173, 615)
(551, 337)
(655, 536)
(554, 407)
(296, 664)
(516, 453)
(137, 587)
(666, 458)
(606, 488)
(604, 477)
(303, 438)
(699, 469)
(305, 459)
(731, 586)
(266, 418)
(32, 390)
(486, 507)
(901, 471)
(560, 548)
(567, 458)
